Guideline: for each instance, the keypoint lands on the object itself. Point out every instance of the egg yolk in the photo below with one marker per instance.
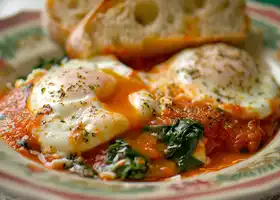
(119, 102)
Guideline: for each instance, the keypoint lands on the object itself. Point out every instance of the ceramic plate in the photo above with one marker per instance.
(22, 43)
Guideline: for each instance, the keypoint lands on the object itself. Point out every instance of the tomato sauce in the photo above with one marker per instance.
(218, 161)
(226, 135)
(16, 121)
(224, 131)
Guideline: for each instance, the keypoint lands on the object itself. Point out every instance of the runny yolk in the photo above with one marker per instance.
(119, 101)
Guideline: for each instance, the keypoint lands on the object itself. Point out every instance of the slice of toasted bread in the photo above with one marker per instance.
(59, 17)
(141, 28)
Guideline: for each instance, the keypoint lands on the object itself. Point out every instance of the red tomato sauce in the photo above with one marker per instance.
(226, 135)
(218, 161)
(16, 121)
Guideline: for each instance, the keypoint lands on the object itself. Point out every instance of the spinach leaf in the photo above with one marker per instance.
(77, 165)
(181, 139)
(47, 63)
(126, 162)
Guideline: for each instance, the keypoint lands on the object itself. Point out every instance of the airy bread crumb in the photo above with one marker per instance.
(133, 28)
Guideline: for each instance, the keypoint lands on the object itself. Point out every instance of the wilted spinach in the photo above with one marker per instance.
(128, 164)
(78, 166)
(47, 63)
(181, 139)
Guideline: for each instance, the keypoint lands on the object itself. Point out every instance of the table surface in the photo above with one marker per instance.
(10, 7)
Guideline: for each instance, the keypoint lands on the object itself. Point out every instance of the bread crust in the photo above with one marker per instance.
(57, 31)
(80, 45)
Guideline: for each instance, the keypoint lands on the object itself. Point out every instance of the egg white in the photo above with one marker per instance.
(224, 74)
(144, 103)
(70, 98)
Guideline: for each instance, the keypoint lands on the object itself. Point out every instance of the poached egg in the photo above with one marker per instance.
(84, 103)
(219, 74)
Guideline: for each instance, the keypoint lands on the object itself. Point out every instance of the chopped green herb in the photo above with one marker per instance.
(23, 143)
(2, 116)
(145, 104)
(43, 90)
(94, 86)
(219, 110)
(72, 156)
(192, 72)
(216, 91)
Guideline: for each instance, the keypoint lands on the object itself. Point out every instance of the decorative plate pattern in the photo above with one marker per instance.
(22, 43)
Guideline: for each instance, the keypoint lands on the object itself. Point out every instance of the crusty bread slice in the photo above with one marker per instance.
(59, 17)
(140, 28)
